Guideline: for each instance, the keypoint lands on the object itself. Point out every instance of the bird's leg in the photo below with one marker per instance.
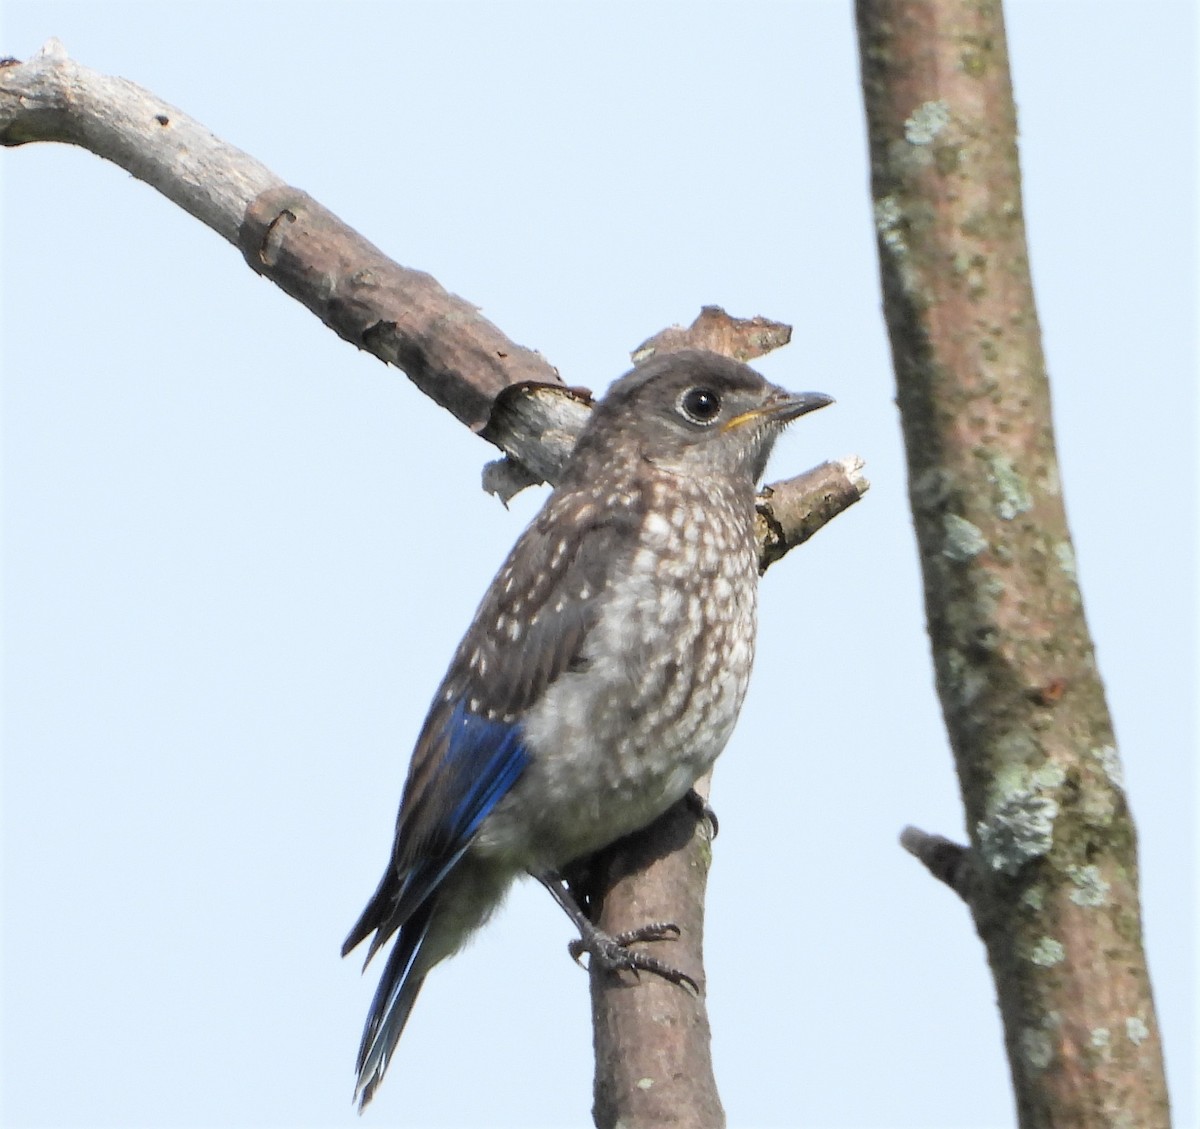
(612, 952)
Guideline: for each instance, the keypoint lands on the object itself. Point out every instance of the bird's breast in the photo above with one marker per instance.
(654, 701)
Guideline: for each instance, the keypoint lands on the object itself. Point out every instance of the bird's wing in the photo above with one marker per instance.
(529, 629)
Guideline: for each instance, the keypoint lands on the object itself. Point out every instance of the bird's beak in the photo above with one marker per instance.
(782, 407)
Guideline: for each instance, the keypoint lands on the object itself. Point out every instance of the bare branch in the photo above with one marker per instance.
(1054, 894)
(404, 317)
(653, 1059)
(790, 512)
(52, 98)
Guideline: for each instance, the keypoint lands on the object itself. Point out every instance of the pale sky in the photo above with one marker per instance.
(238, 553)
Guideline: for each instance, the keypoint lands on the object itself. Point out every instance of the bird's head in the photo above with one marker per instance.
(694, 413)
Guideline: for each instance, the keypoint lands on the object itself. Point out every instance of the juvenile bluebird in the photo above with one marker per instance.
(601, 676)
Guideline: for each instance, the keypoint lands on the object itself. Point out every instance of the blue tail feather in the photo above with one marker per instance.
(398, 989)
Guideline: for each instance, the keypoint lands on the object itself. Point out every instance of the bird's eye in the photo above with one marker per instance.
(700, 405)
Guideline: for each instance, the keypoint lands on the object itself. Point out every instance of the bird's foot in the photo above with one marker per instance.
(700, 809)
(613, 954)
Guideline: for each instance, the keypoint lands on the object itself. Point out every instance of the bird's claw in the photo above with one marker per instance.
(700, 809)
(613, 954)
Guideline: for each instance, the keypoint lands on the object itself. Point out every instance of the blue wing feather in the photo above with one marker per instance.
(486, 757)
(478, 760)
(483, 759)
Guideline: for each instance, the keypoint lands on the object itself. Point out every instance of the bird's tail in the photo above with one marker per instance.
(398, 989)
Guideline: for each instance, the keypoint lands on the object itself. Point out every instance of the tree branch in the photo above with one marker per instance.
(402, 316)
(1053, 864)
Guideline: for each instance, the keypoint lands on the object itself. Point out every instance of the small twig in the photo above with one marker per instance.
(947, 861)
(790, 512)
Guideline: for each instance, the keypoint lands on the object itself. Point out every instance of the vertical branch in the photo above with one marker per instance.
(652, 1039)
(1051, 876)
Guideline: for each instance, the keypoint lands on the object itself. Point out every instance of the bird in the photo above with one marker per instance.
(600, 678)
